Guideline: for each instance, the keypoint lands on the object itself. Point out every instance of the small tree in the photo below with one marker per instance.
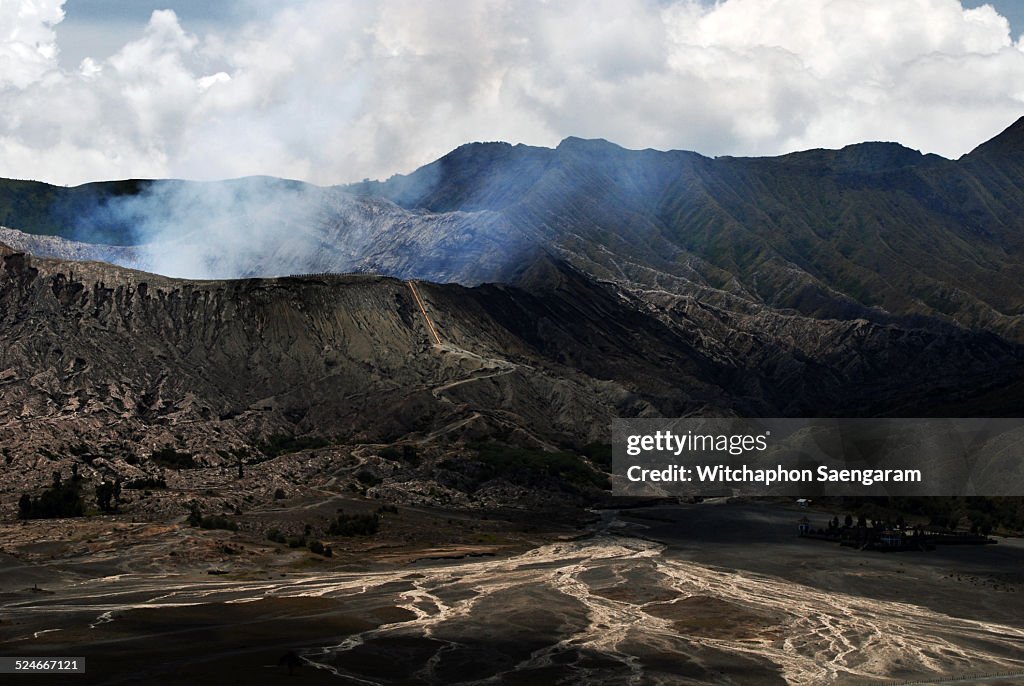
(195, 515)
(25, 506)
(105, 496)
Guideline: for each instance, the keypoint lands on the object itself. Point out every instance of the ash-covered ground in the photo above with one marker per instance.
(714, 592)
(385, 482)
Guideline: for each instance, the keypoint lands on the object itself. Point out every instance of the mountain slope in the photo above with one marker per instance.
(873, 231)
(868, 229)
(96, 352)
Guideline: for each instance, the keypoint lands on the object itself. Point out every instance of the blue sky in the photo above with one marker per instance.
(98, 28)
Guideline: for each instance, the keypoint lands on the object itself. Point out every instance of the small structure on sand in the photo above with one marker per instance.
(804, 526)
(887, 536)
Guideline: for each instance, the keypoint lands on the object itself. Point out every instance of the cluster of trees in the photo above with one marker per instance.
(354, 525)
(315, 546)
(108, 496)
(980, 514)
(342, 525)
(899, 522)
(61, 499)
(197, 519)
(168, 456)
(318, 548)
(64, 498)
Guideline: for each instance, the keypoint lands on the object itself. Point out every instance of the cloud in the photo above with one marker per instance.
(27, 47)
(337, 90)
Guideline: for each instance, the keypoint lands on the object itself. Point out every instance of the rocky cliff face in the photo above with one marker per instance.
(93, 350)
(109, 355)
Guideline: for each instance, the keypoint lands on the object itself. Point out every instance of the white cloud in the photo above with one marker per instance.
(335, 90)
(27, 47)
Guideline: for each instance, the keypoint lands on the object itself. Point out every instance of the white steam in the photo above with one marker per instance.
(266, 227)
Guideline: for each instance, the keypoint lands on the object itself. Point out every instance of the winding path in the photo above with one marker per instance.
(423, 311)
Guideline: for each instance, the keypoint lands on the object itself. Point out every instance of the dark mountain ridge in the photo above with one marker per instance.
(1009, 143)
(874, 230)
(876, 224)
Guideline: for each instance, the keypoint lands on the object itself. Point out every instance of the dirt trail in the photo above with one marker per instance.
(423, 311)
(490, 367)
